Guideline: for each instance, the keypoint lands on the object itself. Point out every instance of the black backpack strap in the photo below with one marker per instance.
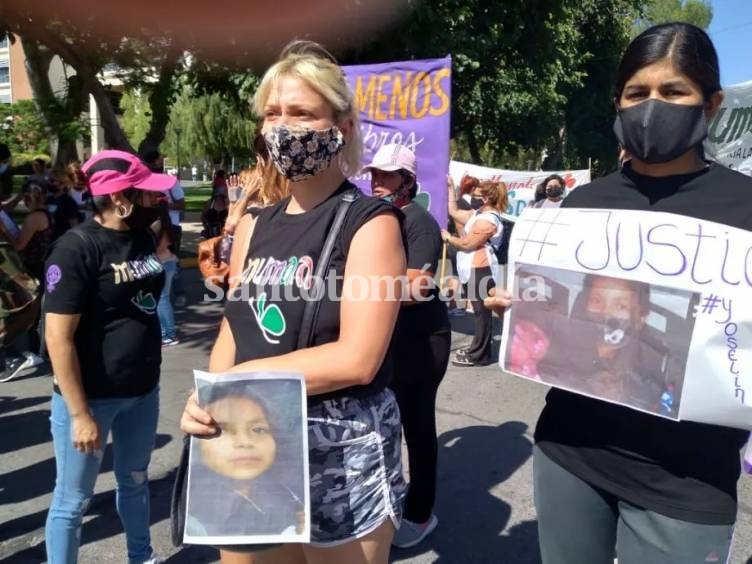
(311, 308)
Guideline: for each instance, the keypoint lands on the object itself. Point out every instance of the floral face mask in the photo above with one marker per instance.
(300, 152)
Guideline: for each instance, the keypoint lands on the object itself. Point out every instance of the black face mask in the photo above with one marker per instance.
(476, 203)
(655, 131)
(142, 217)
(554, 191)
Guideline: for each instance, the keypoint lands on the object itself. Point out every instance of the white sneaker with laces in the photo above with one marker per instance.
(155, 559)
(409, 534)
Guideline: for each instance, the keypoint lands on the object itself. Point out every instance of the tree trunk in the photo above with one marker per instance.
(114, 136)
(38, 61)
(159, 101)
(472, 145)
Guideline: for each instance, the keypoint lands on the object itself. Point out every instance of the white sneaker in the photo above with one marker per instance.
(409, 534)
(155, 559)
(33, 359)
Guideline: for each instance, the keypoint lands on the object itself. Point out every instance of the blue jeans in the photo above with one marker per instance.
(133, 422)
(164, 308)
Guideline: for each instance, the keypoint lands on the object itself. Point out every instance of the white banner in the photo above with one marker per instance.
(520, 183)
(647, 310)
(730, 133)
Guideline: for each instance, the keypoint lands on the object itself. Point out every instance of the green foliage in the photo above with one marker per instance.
(212, 127)
(22, 129)
(697, 12)
(517, 69)
(136, 115)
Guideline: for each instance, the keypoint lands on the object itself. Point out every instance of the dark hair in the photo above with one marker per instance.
(554, 177)
(407, 175)
(104, 203)
(540, 192)
(4, 152)
(641, 289)
(40, 162)
(688, 48)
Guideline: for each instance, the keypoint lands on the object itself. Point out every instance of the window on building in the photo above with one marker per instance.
(4, 71)
(4, 98)
(3, 43)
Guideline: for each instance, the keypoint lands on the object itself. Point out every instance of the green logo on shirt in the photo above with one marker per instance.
(269, 318)
(145, 302)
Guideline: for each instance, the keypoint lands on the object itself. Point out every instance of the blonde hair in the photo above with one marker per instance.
(495, 191)
(313, 64)
(263, 184)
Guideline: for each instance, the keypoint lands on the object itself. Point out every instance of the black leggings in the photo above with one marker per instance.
(481, 281)
(419, 367)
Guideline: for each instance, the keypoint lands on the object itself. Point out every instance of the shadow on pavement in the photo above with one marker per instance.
(101, 521)
(27, 429)
(9, 404)
(473, 522)
(39, 479)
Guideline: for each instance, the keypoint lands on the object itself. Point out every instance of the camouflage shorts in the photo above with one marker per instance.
(355, 467)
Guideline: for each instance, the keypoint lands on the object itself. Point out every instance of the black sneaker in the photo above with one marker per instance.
(14, 366)
(461, 359)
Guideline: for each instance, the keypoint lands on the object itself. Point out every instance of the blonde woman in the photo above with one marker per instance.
(310, 125)
(477, 264)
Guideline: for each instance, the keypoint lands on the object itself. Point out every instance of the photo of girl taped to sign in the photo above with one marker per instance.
(611, 338)
(249, 483)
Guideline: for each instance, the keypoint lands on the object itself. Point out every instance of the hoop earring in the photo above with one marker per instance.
(122, 212)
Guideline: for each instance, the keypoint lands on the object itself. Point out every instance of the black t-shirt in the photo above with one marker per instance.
(113, 280)
(65, 213)
(423, 246)
(282, 257)
(684, 470)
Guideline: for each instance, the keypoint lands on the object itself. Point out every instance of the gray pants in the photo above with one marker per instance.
(579, 524)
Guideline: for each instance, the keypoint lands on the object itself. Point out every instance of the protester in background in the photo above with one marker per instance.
(353, 420)
(39, 174)
(64, 210)
(477, 264)
(554, 187)
(219, 182)
(33, 242)
(168, 258)
(194, 173)
(421, 340)
(103, 336)
(215, 212)
(460, 210)
(608, 478)
(176, 206)
(6, 174)
(75, 183)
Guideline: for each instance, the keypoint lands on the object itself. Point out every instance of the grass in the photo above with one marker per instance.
(196, 197)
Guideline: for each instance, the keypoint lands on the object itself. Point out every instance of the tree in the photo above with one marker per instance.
(697, 12)
(22, 128)
(516, 66)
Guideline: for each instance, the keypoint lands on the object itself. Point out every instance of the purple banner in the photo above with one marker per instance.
(408, 102)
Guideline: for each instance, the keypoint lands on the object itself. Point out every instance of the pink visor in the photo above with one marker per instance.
(114, 171)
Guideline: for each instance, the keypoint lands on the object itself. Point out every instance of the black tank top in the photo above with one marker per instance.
(265, 312)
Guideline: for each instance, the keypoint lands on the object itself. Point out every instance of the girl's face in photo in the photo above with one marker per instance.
(613, 298)
(245, 447)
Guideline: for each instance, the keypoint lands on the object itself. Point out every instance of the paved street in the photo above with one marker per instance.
(485, 505)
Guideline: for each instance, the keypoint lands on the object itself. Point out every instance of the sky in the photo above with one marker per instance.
(731, 32)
